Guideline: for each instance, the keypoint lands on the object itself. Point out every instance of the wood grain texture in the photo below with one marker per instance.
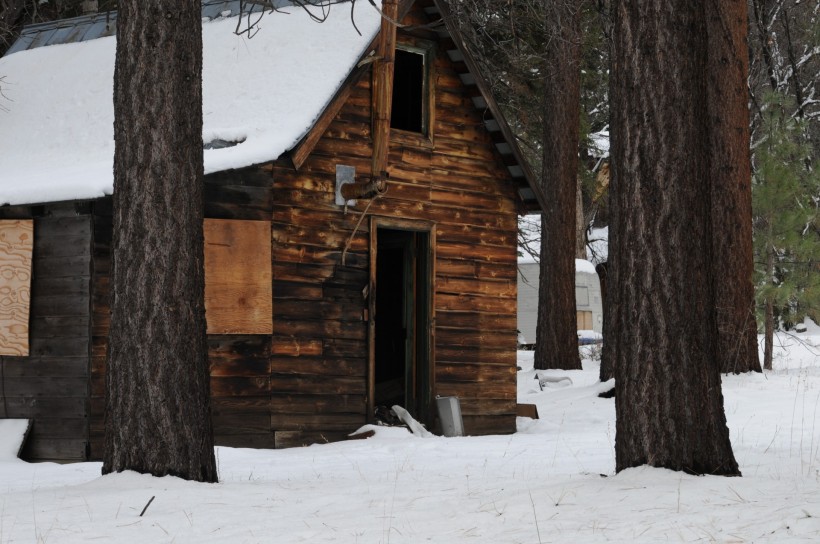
(238, 289)
(460, 185)
(728, 66)
(304, 378)
(50, 385)
(16, 246)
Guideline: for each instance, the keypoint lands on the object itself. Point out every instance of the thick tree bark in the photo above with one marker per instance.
(157, 404)
(580, 224)
(733, 259)
(669, 404)
(556, 344)
(607, 370)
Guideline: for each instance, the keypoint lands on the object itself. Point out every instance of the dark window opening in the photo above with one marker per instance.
(408, 92)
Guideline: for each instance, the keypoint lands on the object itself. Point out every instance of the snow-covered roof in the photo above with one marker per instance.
(56, 108)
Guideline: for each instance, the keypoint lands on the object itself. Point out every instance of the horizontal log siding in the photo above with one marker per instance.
(307, 382)
(51, 385)
(240, 364)
(319, 366)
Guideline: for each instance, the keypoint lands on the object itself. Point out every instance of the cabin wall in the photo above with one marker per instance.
(50, 386)
(240, 370)
(319, 366)
(307, 382)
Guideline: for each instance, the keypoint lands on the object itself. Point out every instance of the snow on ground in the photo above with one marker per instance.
(552, 481)
(12, 433)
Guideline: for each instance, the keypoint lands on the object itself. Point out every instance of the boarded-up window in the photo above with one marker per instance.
(16, 246)
(584, 321)
(238, 297)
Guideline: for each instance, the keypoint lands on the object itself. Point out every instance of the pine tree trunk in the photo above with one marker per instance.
(556, 344)
(733, 262)
(607, 370)
(669, 405)
(580, 224)
(157, 405)
(768, 332)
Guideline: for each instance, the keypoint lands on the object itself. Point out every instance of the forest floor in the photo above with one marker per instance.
(552, 481)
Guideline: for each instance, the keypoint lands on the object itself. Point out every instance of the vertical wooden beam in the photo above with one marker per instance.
(383, 87)
(371, 321)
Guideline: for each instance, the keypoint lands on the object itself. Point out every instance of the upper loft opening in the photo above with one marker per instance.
(409, 111)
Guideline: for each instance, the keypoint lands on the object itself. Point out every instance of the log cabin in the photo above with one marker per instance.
(361, 203)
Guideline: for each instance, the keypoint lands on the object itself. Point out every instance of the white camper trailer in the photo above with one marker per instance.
(589, 309)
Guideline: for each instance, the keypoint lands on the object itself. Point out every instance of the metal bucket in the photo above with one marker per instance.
(449, 413)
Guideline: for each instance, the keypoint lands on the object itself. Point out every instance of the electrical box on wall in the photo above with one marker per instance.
(344, 176)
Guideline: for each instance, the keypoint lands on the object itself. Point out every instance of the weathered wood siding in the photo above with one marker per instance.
(319, 365)
(50, 385)
(307, 382)
(240, 372)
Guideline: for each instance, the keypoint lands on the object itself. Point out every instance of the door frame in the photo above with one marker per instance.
(426, 337)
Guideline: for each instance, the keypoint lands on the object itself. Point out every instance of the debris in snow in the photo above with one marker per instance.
(415, 427)
(526, 410)
(608, 394)
(361, 435)
(384, 416)
(558, 381)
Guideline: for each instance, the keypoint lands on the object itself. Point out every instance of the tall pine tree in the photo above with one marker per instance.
(556, 344)
(669, 404)
(787, 222)
(157, 389)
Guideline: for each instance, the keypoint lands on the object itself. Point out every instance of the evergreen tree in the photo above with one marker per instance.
(556, 344)
(786, 202)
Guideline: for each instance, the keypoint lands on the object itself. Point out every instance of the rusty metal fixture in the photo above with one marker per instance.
(365, 189)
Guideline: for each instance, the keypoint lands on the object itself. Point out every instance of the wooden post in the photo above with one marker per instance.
(383, 87)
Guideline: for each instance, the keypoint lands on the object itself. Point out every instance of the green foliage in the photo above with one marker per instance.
(786, 207)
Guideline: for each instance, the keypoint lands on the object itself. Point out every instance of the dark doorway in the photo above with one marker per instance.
(401, 366)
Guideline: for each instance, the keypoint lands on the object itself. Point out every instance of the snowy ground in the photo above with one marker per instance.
(553, 481)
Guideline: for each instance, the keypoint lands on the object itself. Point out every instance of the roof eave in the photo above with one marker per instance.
(492, 105)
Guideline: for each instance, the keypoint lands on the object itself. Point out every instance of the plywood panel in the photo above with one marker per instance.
(238, 288)
(16, 247)
(584, 320)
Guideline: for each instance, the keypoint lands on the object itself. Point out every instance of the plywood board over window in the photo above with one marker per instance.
(16, 248)
(584, 321)
(238, 288)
